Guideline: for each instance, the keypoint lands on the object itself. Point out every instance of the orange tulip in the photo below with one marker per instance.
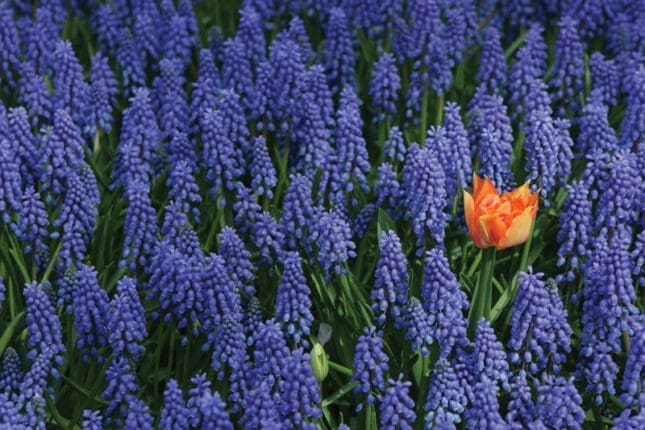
(499, 221)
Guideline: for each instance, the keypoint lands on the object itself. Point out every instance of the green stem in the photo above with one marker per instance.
(424, 117)
(340, 368)
(439, 118)
(97, 142)
(158, 357)
(483, 294)
(52, 262)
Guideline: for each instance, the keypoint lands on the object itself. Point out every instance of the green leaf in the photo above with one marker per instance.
(338, 394)
(385, 223)
(8, 333)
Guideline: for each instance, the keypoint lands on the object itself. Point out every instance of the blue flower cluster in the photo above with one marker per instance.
(190, 190)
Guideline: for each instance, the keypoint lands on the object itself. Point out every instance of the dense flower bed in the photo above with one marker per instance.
(266, 214)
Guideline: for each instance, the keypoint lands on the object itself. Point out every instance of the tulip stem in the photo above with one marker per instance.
(480, 305)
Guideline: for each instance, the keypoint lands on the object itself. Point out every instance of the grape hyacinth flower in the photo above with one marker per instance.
(386, 189)
(33, 94)
(10, 182)
(105, 24)
(458, 137)
(521, 407)
(488, 359)
(595, 131)
(90, 304)
(423, 191)
(608, 310)
(176, 282)
(541, 152)
(126, 322)
(219, 156)
(70, 89)
(103, 92)
(397, 408)
(300, 392)
(229, 350)
(370, 365)
(351, 150)
(246, 209)
(278, 84)
(564, 144)
(92, 420)
(620, 192)
(33, 389)
(180, 149)
(174, 413)
(40, 40)
(530, 65)
(138, 416)
(297, 211)
(269, 355)
(237, 259)
(394, 146)
(147, 34)
(261, 411)
(176, 40)
(61, 153)
(539, 329)
(250, 33)
(204, 94)
(261, 169)
(169, 99)
(632, 383)
(605, 78)
(487, 116)
(339, 52)
(446, 396)
(237, 72)
(9, 44)
(557, 393)
(418, 326)
(43, 326)
(137, 153)
(632, 128)
(495, 157)
(298, 33)
(575, 229)
(483, 410)
(27, 154)
(78, 213)
(213, 412)
(130, 62)
(11, 373)
(568, 68)
(184, 191)
(267, 237)
(384, 87)
(313, 153)
(390, 291)
(332, 236)
(140, 228)
(293, 304)
(444, 302)
(492, 67)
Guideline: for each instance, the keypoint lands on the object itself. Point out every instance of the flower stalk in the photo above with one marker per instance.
(483, 294)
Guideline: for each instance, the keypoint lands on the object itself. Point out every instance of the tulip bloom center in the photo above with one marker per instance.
(498, 220)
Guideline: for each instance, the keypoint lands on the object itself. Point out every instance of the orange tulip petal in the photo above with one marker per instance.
(482, 187)
(519, 230)
(490, 229)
